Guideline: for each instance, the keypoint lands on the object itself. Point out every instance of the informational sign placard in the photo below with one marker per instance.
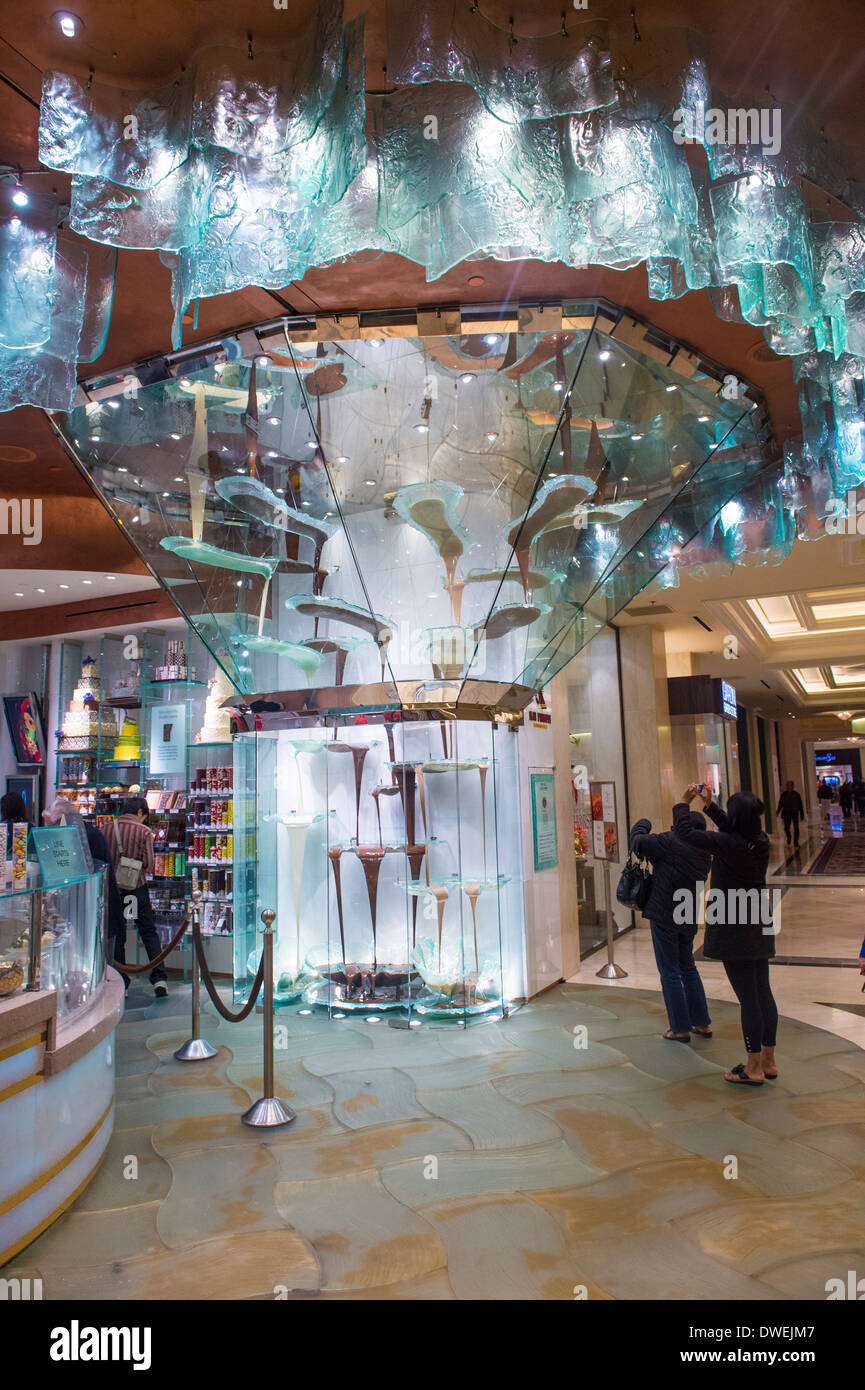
(544, 831)
(167, 752)
(605, 835)
(60, 854)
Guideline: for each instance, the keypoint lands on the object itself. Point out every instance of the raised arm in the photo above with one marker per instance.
(644, 844)
(700, 839)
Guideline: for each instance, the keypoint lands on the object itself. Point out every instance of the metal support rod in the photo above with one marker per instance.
(268, 1112)
(34, 972)
(196, 1048)
(610, 971)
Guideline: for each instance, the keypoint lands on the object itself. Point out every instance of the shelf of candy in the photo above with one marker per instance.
(214, 850)
(170, 833)
(169, 864)
(168, 901)
(86, 726)
(215, 886)
(165, 803)
(212, 814)
(175, 667)
(214, 781)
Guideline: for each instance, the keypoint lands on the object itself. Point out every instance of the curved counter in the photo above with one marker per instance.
(56, 1050)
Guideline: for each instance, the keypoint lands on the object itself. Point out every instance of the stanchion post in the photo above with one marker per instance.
(610, 971)
(196, 1048)
(268, 1112)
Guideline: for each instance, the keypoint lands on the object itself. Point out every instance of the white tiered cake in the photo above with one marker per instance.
(217, 721)
(85, 725)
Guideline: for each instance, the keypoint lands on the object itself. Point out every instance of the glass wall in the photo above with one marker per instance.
(594, 705)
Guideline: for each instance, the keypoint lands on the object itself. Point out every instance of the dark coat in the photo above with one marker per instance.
(676, 864)
(736, 865)
(790, 805)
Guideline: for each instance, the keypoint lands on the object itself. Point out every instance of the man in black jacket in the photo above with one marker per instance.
(790, 809)
(680, 871)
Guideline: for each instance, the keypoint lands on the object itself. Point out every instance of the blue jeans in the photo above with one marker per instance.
(681, 985)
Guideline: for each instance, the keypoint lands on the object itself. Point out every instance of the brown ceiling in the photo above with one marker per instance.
(804, 53)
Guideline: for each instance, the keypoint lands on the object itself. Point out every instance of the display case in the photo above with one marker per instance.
(53, 939)
(390, 850)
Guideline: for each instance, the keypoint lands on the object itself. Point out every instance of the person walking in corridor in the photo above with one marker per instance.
(678, 866)
(845, 796)
(825, 797)
(740, 851)
(790, 809)
(133, 842)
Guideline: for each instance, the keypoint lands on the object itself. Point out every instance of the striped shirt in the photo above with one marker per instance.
(136, 842)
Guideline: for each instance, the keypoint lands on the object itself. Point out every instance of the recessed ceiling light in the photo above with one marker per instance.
(123, 470)
(110, 576)
(280, 492)
(166, 494)
(703, 419)
(671, 387)
(175, 436)
(491, 338)
(19, 595)
(369, 482)
(178, 480)
(262, 360)
(69, 24)
(491, 435)
(64, 586)
(558, 386)
(467, 376)
(625, 478)
(422, 428)
(310, 444)
(87, 581)
(115, 405)
(136, 518)
(19, 198)
(271, 454)
(375, 342)
(273, 419)
(305, 504)
(605, 355)
(40, 591)
(342, 459)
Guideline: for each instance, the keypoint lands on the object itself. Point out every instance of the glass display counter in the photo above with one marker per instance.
(391, 853)
(53, 939)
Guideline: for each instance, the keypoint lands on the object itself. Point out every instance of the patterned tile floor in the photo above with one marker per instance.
(502, 1162)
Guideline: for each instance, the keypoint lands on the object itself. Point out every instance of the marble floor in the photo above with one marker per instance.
(566, 1151)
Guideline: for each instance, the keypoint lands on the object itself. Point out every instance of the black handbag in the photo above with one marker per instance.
(635, 885)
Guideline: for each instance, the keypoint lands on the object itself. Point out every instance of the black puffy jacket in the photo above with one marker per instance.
(737, 864)
(676, 864)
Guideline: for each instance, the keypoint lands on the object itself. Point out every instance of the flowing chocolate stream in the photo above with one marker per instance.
(388, 728)
(441, 895)
(358, 752)
(420, 787)
(326, 647)
(333, 856)
(415, 854)
(376, 793)
(371, 861)
(404, 775)
(483, 776)
(472, 891)
(444, 737)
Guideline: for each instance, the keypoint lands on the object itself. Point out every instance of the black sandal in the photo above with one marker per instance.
(673, 1037)
(742, 1077)
(703, 1032)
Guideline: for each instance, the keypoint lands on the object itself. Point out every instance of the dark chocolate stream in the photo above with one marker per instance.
(358, 752)
(333, 855)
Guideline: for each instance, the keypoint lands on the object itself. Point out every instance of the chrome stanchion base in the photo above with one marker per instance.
(267, 1113)
(195, 1050)
(611, 971)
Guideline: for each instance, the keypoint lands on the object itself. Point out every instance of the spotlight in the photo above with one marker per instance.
(605, 355)
(342, 459)
(175, 436)
(19, 198)
(491, 338)
(369, 482)
(69, 24)
(467, 377)
(273, 419)
(422, 427)
(672, 388)
(558, 386)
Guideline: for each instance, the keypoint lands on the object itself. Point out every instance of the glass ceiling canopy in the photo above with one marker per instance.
(407, 521)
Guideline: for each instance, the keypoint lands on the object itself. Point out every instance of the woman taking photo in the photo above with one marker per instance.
(737, 935)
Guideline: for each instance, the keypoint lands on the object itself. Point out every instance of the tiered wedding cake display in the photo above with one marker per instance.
(128, 749)
(85, 725)
(217, 721)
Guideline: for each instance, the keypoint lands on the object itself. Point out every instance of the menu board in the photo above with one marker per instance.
(605, 835)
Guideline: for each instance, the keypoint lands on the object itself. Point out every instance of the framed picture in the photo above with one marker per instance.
(25, 729)
(27, 785)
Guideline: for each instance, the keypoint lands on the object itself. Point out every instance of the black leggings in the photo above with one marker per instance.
(750, 981)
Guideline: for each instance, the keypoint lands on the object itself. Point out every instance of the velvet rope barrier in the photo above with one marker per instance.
(157, 960)
(211, 987)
